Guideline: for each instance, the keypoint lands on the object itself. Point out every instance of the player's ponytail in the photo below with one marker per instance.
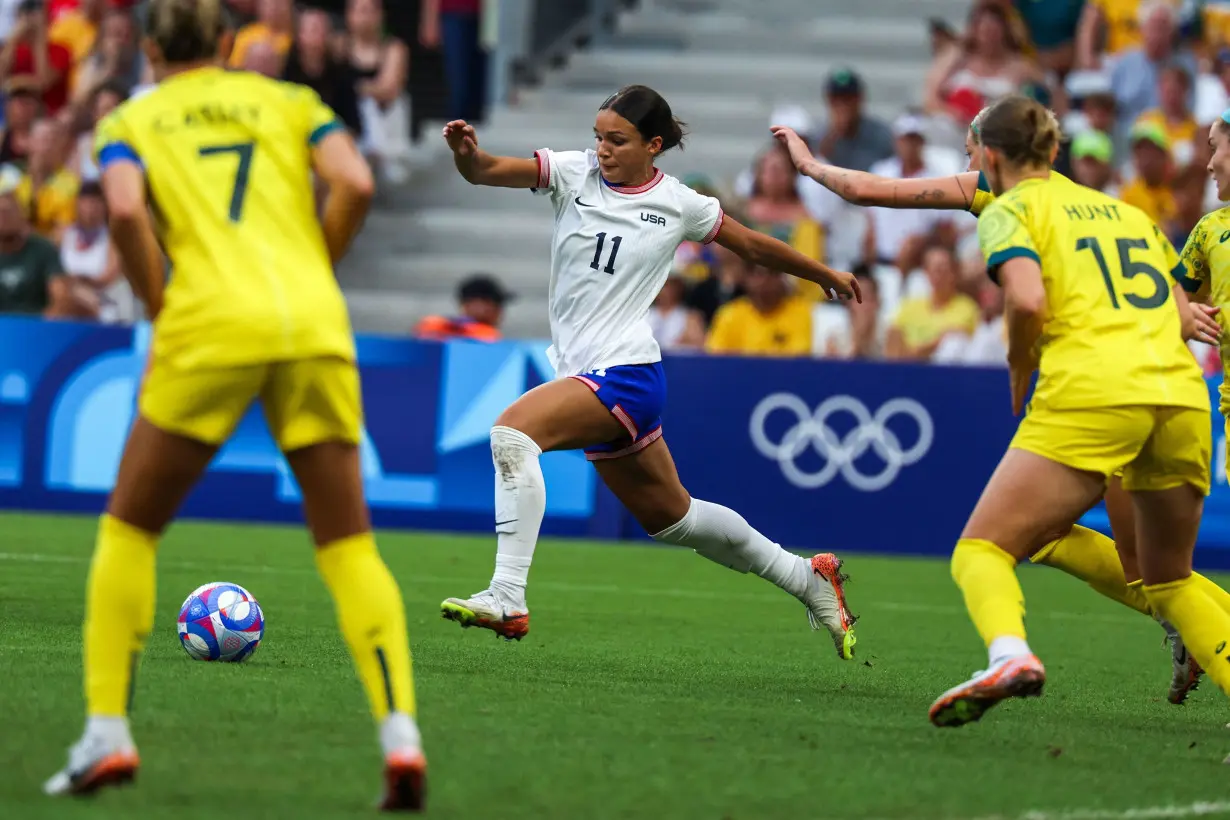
(187, 31)
(1024, 131)
(649, 112)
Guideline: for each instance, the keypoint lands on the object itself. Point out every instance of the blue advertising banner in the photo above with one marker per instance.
(834, 455)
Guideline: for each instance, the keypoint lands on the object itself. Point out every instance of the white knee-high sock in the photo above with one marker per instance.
(520, 504)
(724, 537)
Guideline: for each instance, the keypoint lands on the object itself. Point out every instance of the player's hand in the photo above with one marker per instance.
(461, 138)
(1204, 318)
(800, 154)
(842, 287)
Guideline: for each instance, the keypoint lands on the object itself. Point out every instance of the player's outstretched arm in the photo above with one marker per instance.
(338, 162)
(132, 232)
(774, 254)
(480, 168)
(954, 193)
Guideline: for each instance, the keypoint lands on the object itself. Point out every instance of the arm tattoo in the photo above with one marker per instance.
(968, 202)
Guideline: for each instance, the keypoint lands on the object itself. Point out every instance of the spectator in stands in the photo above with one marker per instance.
(105, 100)
(850, 330)
(1052, 28)
(381, 63)
(724, 284)
(1137, 73)
(1188, 193)
(274, 26)
(898, 237)
(9, 10)
(21, 107)
(775, 208)
(454, 24)
(1150, 189)
(989, 65)
(1213, 91)
(243, 12)
(1107, 30)
(922, 323)
(90, 263)
(854, 139)
(675, 326)
(768, 321)
(1092, 154)
(311, 63)
(262, 58)
(117, 59)
(77, 28)
(988, 344)
(48, 190)
(29, 266)
(481, 299)
(28, 53)
(1174, 114)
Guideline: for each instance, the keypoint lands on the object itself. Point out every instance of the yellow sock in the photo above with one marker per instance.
(373, 621)
(987, 577)
(119, 613)
(1219, 595)
(1091, 556)
(1203, 625)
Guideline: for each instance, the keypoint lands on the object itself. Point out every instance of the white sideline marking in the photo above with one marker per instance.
(1204, 809)
(592, 589)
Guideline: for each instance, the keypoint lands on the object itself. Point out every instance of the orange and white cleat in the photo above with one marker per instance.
(488, 610)
(405, 782)
(826, 603)
(1018, 677)
(95, 762)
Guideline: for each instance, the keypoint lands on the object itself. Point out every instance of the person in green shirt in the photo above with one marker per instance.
(29, 264)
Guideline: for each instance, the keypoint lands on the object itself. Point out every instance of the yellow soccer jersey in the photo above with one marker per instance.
(1206, 266)
(983, 195)
(1112, 334)
(226, 156)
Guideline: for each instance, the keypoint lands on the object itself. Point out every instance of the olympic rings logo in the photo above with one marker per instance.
(840, 453)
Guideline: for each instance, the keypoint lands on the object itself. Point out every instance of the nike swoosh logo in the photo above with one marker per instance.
(509, 521)
(583, 204)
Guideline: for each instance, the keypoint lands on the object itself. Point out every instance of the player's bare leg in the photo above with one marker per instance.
(157, 471)
(1027, 497)
(648, 485)
(560, 415)
(369, 608)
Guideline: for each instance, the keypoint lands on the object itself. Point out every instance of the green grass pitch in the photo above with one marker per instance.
(653, 684)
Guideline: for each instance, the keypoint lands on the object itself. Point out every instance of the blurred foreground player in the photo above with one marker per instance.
(252, 313)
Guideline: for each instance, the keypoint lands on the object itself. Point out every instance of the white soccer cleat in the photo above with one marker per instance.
(488, 610)
(1186, 675)
(97, 760)
(826, 603)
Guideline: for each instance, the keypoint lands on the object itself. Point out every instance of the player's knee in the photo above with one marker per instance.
(511, 450)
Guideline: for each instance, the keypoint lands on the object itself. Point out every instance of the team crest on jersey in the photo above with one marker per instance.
(653, 219)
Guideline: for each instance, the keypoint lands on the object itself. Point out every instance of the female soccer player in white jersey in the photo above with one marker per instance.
(618, 223)
(1107, 566)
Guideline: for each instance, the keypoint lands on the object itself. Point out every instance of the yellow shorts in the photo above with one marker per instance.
(306, 401)
(1153, 448)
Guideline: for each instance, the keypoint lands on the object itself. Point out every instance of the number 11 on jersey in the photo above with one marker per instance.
(610, 263)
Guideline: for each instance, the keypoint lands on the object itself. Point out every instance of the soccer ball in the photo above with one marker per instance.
(220, 622)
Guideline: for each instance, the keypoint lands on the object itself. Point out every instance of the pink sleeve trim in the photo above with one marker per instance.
(544, 169)
(717, 228)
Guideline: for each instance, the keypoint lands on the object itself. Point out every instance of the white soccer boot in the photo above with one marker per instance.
(489, 610)
(826, 603)
(103, 757)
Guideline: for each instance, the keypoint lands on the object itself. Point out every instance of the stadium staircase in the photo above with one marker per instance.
(723, 64)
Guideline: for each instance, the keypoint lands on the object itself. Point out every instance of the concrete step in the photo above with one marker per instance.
(792, 11)
(524, 233)
(397, 313)
(437, 274)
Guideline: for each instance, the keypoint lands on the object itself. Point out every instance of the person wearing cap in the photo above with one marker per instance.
(1093, 154)
(898, 237)
(1150, 189)
(481, 300)
(853, 139)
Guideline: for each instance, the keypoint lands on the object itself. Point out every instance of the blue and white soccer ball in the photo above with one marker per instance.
(221, 622)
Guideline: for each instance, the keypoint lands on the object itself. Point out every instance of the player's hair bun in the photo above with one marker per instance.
(1021, 129)
(649, 112)
(187, 31)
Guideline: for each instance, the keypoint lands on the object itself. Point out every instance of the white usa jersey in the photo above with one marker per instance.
(611, 252)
